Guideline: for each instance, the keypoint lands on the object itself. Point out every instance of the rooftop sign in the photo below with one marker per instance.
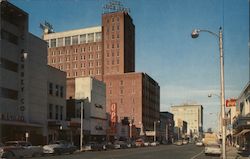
(115, 6)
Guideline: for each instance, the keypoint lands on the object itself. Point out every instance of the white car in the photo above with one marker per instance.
(213, 149)
(59, 147)
(199, 143)
(156, 143)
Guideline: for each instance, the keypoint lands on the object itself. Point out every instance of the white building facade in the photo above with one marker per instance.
(192, 114)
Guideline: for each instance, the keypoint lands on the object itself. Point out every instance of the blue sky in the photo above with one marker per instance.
(187, 69)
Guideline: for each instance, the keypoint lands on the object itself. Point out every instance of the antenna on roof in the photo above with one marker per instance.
(46, 27)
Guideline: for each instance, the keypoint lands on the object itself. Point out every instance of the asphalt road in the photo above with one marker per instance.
(189, 151)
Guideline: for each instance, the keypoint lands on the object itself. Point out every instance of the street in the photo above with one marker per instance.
(189, 151)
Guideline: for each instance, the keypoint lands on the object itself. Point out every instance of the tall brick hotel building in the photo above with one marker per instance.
(107, 53)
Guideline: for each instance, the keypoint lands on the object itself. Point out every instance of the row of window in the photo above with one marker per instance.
(9, 65)
(81, 65)
(10, 37)
(55, 112)
(75, 40)
(74, 58)
(113, 19)
(55, 89)
(112, 53)
(113, 45)
(8, 93)
(84, 73)
(122, 83)
(76, 50)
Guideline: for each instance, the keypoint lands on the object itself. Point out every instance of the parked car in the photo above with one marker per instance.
(4, 153)
(185, 142)
(147, 143)
(130, 144)
(107, 145)
(178, 143)
(139, 143)
(93, 146)
(59, 147)
(155, 143)
(213, 149)
(199, 143)
(24, 149)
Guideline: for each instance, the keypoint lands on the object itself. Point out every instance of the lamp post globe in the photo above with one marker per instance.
(195, 33)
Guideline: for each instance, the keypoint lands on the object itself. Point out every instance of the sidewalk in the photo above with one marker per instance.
(232, 153)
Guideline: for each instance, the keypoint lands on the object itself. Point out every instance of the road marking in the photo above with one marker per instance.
(197, 155)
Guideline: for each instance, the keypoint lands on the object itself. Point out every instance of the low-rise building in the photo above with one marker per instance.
(91, 93)
(193, 115)
(241, 124)
(166, 127)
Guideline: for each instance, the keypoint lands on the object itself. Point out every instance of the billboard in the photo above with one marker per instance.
(231, 102)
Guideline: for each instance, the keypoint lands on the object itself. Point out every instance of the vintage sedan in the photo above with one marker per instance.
(93, 146)
(213, 149)
(59, 147)
(22, 149)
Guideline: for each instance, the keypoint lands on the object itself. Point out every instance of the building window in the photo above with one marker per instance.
(60, 42)
(53, 43)
(50, 111)
(56, 112)
(57, 90)
(98, 36)
(51, 88)
(83, 39)
(67, 41)
(9, 36)
(8, 93)
(121, 91)
(74, 40)
(61, 91)
(61, 112)
(90, 37)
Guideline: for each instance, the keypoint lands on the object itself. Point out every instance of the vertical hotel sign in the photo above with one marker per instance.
(113, 117)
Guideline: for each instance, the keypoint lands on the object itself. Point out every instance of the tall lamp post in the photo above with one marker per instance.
(210, 95)
(195, 34)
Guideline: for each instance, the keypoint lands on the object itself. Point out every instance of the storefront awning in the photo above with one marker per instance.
(18, 123)
(243, 132)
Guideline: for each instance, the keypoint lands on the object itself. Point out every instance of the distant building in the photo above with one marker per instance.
(92, 93)
(137, 97)
(26, 82)
(192, 114)
(166, 127)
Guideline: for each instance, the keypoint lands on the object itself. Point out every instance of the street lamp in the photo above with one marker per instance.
(195, 34)
(81, 131)
(155, 122)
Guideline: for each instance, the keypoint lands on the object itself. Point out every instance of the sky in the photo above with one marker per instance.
(186, 69)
